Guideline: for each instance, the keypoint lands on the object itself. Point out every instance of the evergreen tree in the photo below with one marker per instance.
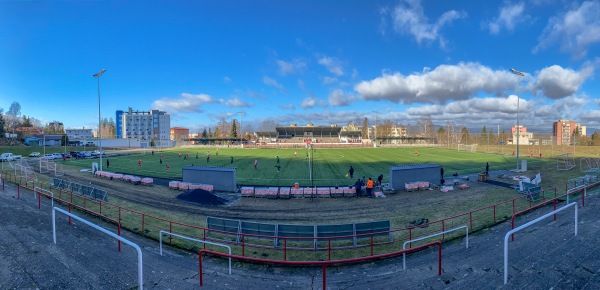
(233, 132)
(204, 133)
(2, 125)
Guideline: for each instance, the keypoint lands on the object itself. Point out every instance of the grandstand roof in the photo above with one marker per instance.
(315, 130)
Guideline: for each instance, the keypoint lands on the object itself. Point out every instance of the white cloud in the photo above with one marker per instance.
(557, 82)
(338, 98)
(288, 107)
(236, 102)
(312, 102)
(446, 82)
(574, 31)
(290, 67)
(329, 80)
(408, 18)
(332, 64)
(271, 82)
(226, 79)
(509, 17)
(187, 103)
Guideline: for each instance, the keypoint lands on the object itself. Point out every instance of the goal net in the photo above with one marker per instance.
(472, 148)
(565, 161)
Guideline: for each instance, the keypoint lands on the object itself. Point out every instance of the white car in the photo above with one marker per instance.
(57, 155)
(49, 156)
(34, 154)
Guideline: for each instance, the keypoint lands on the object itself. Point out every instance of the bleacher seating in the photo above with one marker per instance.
(221, 229)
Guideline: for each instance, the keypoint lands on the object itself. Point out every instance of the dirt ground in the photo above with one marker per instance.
(400, 208)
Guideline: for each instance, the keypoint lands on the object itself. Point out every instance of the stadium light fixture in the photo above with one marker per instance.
(375, 127)
(241, 113)
(97, 75)
(520, 76)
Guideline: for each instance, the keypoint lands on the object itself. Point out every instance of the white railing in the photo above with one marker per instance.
(434, 235)
(39, 189)
(195, 240)
(574, 204)
(135, 246)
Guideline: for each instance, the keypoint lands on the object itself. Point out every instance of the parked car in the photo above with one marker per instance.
(57, 155)
(85, 154)
(9, 157)
(49, 156)
(74, 154)
(35, 154)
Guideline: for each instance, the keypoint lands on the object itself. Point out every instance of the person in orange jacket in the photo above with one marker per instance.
(369, 187)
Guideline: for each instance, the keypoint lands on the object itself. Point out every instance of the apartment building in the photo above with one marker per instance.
(564, 130)
(153, 125)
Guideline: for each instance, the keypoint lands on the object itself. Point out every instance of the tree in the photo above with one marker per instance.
(365, 129)
(596, 139)
(54, 127)
(385, 128)
(204, 133)
(1, 125)
(267, 126)
(109, 128)
(425, 126)
(233, 131)
(442, 135)
(464, 135)
(12, 117)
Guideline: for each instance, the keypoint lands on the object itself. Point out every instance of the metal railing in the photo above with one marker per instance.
(195, 240)
(509, 233)
(431, 236)
(103, 230)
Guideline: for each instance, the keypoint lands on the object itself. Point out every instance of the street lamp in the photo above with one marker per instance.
(375, 127)
(241, 113)
(520, 75)
(99, 127)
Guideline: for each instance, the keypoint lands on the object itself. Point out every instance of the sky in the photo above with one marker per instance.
(298, 62)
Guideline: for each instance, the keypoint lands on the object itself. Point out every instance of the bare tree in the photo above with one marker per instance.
(12, 120)
(425, 126)
(267, 126)
(385, 128)
(365, 129)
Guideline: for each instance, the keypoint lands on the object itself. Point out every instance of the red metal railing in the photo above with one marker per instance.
(324, 264)
(477, 218)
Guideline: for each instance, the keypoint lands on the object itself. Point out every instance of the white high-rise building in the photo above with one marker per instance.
(153, 125)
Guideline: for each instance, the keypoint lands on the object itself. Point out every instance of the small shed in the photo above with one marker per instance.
(403, 174)
(221, 178)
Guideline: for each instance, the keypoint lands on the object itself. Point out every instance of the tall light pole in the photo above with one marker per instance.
(520, 76)
(241, 113)
(375, 127)
(99, 126)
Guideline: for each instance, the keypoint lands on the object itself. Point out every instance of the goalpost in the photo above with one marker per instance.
(565, 162)
(472, 148)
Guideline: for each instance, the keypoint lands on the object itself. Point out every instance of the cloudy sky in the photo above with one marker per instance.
(322, 62)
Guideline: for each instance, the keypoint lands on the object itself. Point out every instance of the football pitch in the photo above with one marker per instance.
(308, 167)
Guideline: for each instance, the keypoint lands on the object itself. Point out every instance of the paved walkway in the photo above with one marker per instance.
(545, 256)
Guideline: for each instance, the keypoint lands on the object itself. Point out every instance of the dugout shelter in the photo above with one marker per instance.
(403, 174)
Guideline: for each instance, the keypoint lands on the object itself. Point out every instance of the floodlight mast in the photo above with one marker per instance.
(520, 76)
(97, 75)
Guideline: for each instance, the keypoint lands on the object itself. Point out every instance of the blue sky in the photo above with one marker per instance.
(321, 62)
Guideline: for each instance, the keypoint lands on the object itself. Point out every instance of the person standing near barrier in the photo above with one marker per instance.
(351, 172)
(107, 163)
(379, 179)
(255, 164)
(231, 159)
(358, 187)
(369, 187)
(487, 169)
(208, 157)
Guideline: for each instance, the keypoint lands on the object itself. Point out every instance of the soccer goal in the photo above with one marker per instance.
(472, 148)
(565, 161)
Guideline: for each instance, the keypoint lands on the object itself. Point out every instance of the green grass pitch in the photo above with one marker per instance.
(328, 168)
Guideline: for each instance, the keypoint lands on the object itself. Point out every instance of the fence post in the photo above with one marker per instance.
(371, 244)
(555, 205)
(170, 231)
(18, 191)
(243, 245)
(143, 233)
(470, 219)
(329, 249)
(284, 249)
(443, 224)
(513, 203)
(583, 197)
(494, 213)
(204, 236)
